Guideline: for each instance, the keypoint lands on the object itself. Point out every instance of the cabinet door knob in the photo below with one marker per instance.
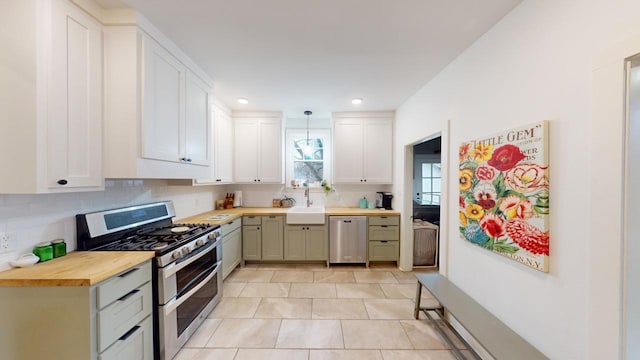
(365, 180)
(62, 182)
(258, 179)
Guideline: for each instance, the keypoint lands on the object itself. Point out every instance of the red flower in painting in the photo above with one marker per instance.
(493, 225)
(461, 202)
(505, 157)
(486, 173)
(528, 237)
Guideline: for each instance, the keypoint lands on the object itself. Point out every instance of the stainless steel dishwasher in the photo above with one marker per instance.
(347, 239)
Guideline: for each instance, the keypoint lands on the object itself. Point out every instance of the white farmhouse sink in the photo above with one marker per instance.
(305, 215)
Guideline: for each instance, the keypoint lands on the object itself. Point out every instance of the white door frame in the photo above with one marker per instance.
(406, 257)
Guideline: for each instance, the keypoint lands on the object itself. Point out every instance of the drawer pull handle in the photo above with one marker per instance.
(383, 217)
(129, 333)
(384, 241)
(128, 295)
(128, 272)
(384, 226)
(230, 222)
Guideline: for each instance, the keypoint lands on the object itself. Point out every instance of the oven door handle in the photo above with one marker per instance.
(170, 306)
(177, 266)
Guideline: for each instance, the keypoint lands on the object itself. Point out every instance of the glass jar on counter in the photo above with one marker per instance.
(59, 248)
(44, 251)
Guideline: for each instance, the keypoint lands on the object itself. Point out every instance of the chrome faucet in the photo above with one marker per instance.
(306, 194)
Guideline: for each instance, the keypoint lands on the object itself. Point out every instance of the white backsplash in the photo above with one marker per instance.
(343, 196)
(31, 219)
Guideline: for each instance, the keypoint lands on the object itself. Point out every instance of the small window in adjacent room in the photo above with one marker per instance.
(431, 183)
(308, 159)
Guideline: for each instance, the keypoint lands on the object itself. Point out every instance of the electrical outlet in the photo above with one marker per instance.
(5, 244)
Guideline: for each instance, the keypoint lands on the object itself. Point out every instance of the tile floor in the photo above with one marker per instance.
(310, 312)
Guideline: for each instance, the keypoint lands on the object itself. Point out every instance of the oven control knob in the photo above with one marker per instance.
(176, 254)
(200, 242)
(213, 235)
(185, 251)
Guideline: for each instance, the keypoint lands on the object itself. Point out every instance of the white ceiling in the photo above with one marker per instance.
(294, 55)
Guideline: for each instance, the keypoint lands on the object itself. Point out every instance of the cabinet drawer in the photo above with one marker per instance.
(384, 220)
(251, 220)
(383, 232)
(137, 344)
(122, 284)
(228, 228)
(383, 251)
(117, 319)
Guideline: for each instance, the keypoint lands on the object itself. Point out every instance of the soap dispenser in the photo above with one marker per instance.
(363, 202)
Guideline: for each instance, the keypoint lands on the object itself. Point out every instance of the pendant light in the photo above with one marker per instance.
(307, 148)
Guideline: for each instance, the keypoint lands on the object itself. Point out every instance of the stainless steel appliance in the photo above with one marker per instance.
(347, 239)
(383, 200)
(187, 276)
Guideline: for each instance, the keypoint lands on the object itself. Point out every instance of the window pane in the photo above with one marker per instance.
(426, 185)
(312, 171)
(436, 170)
(436, 186)
(318, 154)
(426, 170)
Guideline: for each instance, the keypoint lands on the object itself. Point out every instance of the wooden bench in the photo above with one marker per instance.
(496, 338)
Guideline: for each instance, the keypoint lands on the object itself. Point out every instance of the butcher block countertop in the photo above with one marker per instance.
(77, 268)
(271, 211)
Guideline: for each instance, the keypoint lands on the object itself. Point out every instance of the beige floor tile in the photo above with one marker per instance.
(206, 354)
(374, 277)
(401, 291)
(313, 267)
(338, 309)
(417, 355)
(232, 289)
(246, 275)
(423, 335)
(246, 333)
(235, 308)
(374, 334)
(272, 354)
(284, 308)
(266, 290)
(391, 309)
(310, 334)
(297, 276)
(405, 277)
(333, 277)
(345, 355)
(359, 291)
(200, 338)
(312, 291)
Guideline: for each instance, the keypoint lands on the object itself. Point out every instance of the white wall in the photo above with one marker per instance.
(31, 219)
(536, 64)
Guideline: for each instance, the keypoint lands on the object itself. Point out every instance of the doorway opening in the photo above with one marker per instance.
(426, 197)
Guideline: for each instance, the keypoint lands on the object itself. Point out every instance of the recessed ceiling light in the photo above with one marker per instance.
(243, 101)
(356, 101)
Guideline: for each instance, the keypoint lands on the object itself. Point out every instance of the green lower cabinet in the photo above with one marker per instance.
(317, 243)
(251, 242)
(272, 237)
(306, 242)
(383, 250)
(294, 242)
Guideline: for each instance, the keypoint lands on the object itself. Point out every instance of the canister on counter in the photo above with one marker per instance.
(59, 248)
(44, 251)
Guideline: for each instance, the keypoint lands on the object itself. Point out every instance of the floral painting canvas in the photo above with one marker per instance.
(504, 194)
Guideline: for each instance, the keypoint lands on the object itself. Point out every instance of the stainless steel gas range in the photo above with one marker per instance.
(187, 276)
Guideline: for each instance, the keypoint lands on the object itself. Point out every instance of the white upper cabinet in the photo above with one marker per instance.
(363, 147)
(51, 98)
(157, 107)
(222, 158)
(258, 147)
